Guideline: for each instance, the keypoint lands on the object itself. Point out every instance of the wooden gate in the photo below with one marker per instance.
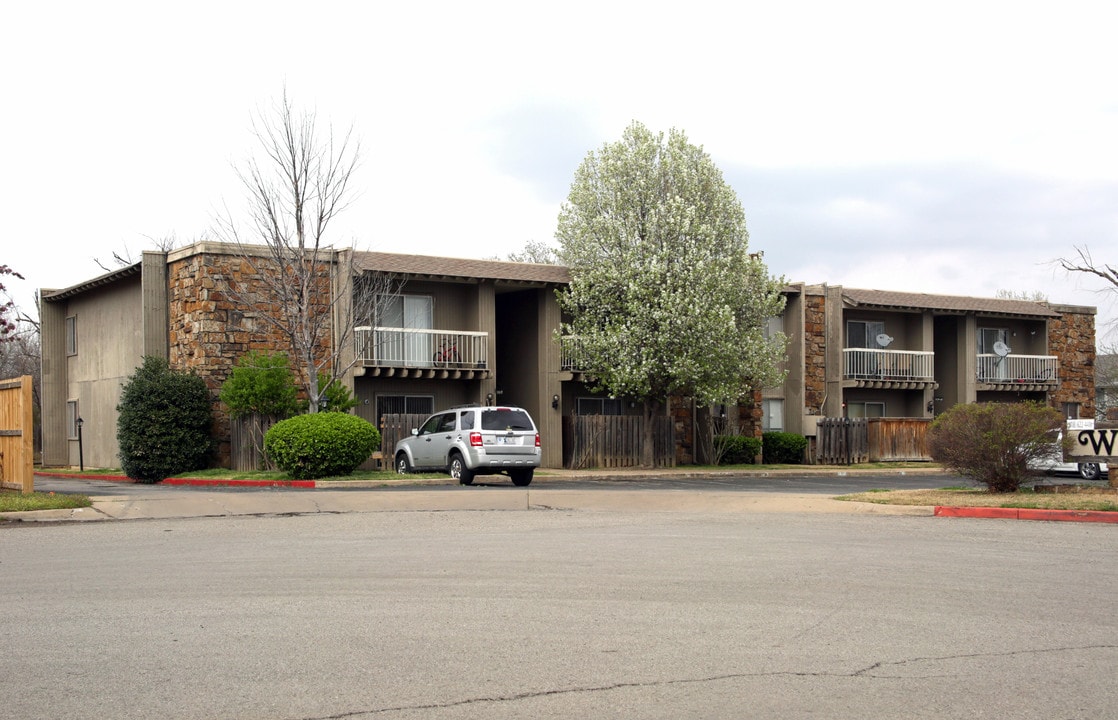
(842, 441)
(246, 442)
(17, 446)
(613, 441)
(395, 427)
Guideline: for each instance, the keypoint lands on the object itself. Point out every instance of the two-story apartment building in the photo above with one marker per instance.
(457, 331)
(877, 353)
(452, 332)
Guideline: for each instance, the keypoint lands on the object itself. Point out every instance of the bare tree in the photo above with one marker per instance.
(1086, 264)
(125, 257)
(316, 294)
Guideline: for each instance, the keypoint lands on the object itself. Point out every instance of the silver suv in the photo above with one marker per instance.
(469, 441)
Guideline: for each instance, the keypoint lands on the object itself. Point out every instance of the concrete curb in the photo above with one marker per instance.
(1095, 516)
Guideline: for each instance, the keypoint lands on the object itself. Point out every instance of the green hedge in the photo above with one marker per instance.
(163, 422)
(321, 445)
(737, 449)
(783, 448)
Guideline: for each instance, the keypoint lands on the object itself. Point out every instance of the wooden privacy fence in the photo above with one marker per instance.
(841, 441)
(17, 448)
(246, 438)
(246, 442)
(846, 441)
(612, 441)
(898, 439)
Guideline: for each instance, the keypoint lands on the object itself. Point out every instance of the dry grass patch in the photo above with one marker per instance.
(965, 497)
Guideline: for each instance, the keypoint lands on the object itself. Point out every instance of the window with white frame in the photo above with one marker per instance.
(772, 414)
(72, 419)
(774, 325)
(865, 409)
(72, 335)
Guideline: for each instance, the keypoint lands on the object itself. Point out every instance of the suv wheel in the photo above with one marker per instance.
(402, 465)
(1089, 471)
(459, 471)
(521, 478)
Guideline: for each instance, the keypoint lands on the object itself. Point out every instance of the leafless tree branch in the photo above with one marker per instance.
(316, 295)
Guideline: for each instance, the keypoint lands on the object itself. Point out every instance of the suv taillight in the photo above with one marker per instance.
(475, 439)
(537, 439)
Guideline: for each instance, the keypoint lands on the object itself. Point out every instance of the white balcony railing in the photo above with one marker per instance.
(570, 353)
(1030, 369)
(412, 348)
(898, 365)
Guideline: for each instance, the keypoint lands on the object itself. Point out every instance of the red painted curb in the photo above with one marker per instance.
(1096, 516)
(976, 512)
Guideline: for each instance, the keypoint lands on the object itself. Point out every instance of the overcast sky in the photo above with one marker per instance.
(951, 147)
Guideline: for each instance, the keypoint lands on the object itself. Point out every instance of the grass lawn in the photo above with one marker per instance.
(1086, 499)
(15, 501)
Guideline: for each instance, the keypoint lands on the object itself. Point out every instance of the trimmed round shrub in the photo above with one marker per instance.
(321, 444)
(164, 422)
(737, 449)
(781, 448)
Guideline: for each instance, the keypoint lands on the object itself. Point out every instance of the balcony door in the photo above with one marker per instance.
(407, 312)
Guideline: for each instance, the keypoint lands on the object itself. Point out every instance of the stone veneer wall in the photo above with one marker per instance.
(1071, 338)
(815, 351)
(683, 424)
(210, 329)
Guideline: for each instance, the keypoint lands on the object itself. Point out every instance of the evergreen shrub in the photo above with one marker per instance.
(782, 448)
(164, 422)
(737, 449)
(321, 444)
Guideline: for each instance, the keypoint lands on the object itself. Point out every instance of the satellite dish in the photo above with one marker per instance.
(884, 340)
(1001, 349)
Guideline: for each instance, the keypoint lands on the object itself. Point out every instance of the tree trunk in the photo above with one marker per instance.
(652, 408)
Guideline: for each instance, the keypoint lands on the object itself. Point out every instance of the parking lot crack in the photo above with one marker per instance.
(870, 671)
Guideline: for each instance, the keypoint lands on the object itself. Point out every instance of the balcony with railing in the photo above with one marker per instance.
(409, 352)
(902, 369)
(1018, 372)
(570, 353)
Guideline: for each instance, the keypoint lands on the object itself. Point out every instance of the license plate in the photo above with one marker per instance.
(504, 440)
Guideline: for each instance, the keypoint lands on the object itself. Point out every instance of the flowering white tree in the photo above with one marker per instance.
(665, 296)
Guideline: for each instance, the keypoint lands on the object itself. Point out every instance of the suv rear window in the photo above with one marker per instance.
(505, 419)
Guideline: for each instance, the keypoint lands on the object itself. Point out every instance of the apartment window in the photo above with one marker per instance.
(72, 335)
(404, 404)
(863, 333)
(772, 414)
(598, 406)
(774, 325)
(72, 419)
(1071, 410)
(865, 409)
